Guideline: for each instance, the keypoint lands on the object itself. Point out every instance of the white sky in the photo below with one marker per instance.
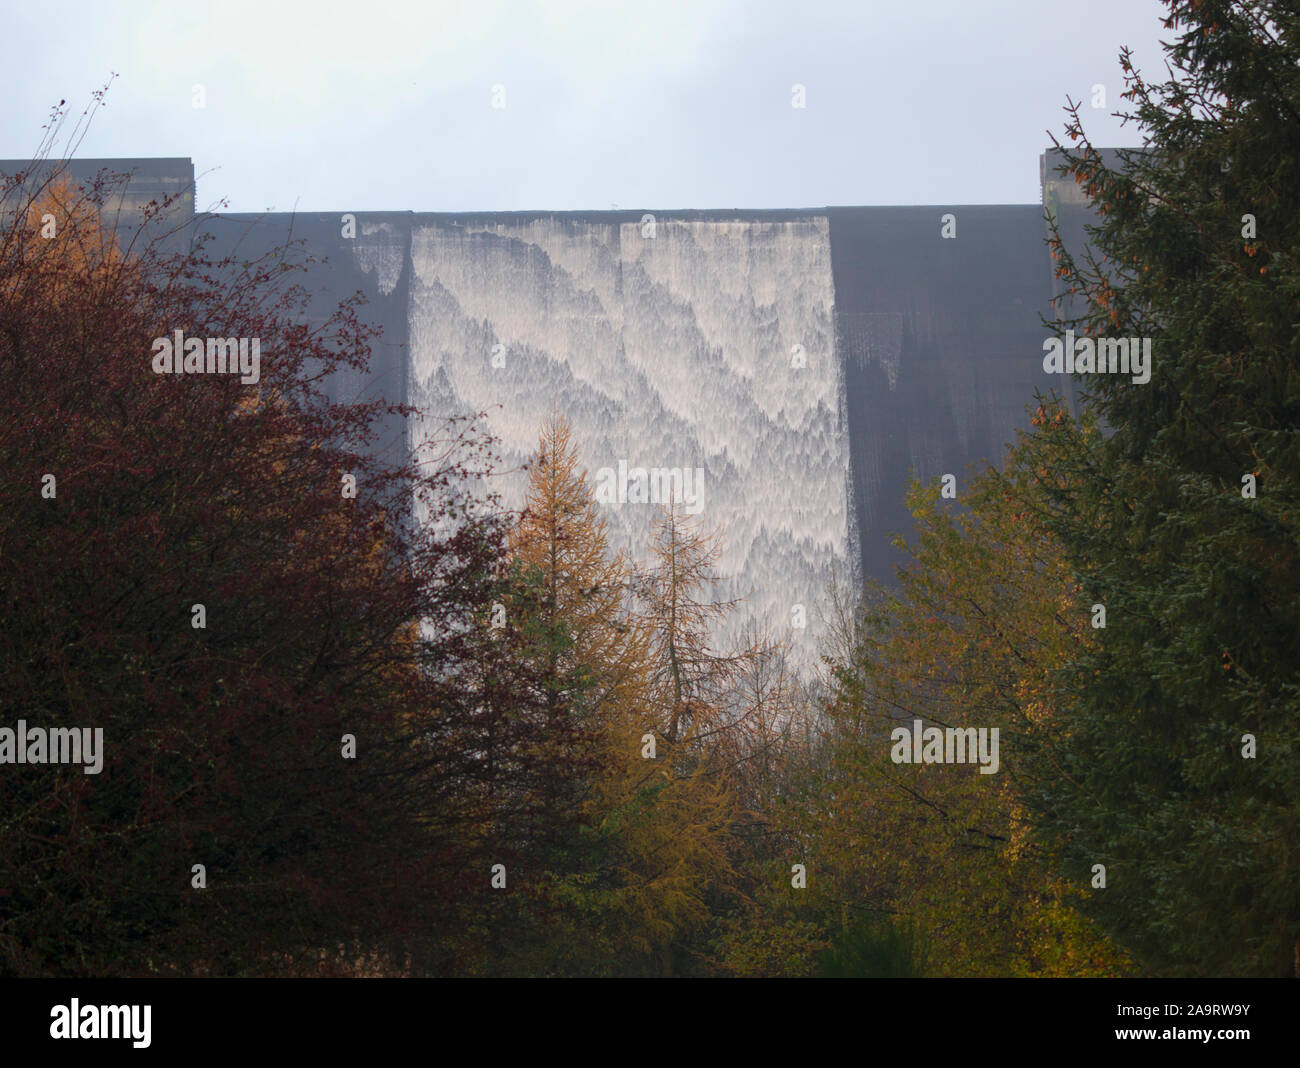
(655, 104)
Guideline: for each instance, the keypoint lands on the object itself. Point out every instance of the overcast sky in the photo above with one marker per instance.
(389, 106)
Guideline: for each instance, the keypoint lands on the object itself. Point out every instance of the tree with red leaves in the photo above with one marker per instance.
(221, 575)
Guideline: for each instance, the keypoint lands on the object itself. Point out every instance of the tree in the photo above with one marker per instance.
(689, 678)
(564, 634)
(1180, 766)
(727, 723)
(984, 612)
(192, 578)
(629, 838)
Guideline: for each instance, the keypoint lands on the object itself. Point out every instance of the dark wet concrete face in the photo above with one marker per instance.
(941, 346)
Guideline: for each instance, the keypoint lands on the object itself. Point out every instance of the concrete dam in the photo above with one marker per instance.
(787, 370)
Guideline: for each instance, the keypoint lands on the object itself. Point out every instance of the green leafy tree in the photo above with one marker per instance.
(1184, 520)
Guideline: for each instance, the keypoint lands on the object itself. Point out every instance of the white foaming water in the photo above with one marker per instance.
(381, 249)
(671, 351)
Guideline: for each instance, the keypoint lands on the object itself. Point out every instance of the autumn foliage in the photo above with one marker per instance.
(180, 566)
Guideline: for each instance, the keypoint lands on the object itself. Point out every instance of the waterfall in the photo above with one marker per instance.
(689, 344)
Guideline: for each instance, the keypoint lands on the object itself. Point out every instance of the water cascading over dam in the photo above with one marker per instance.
(686, 344)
